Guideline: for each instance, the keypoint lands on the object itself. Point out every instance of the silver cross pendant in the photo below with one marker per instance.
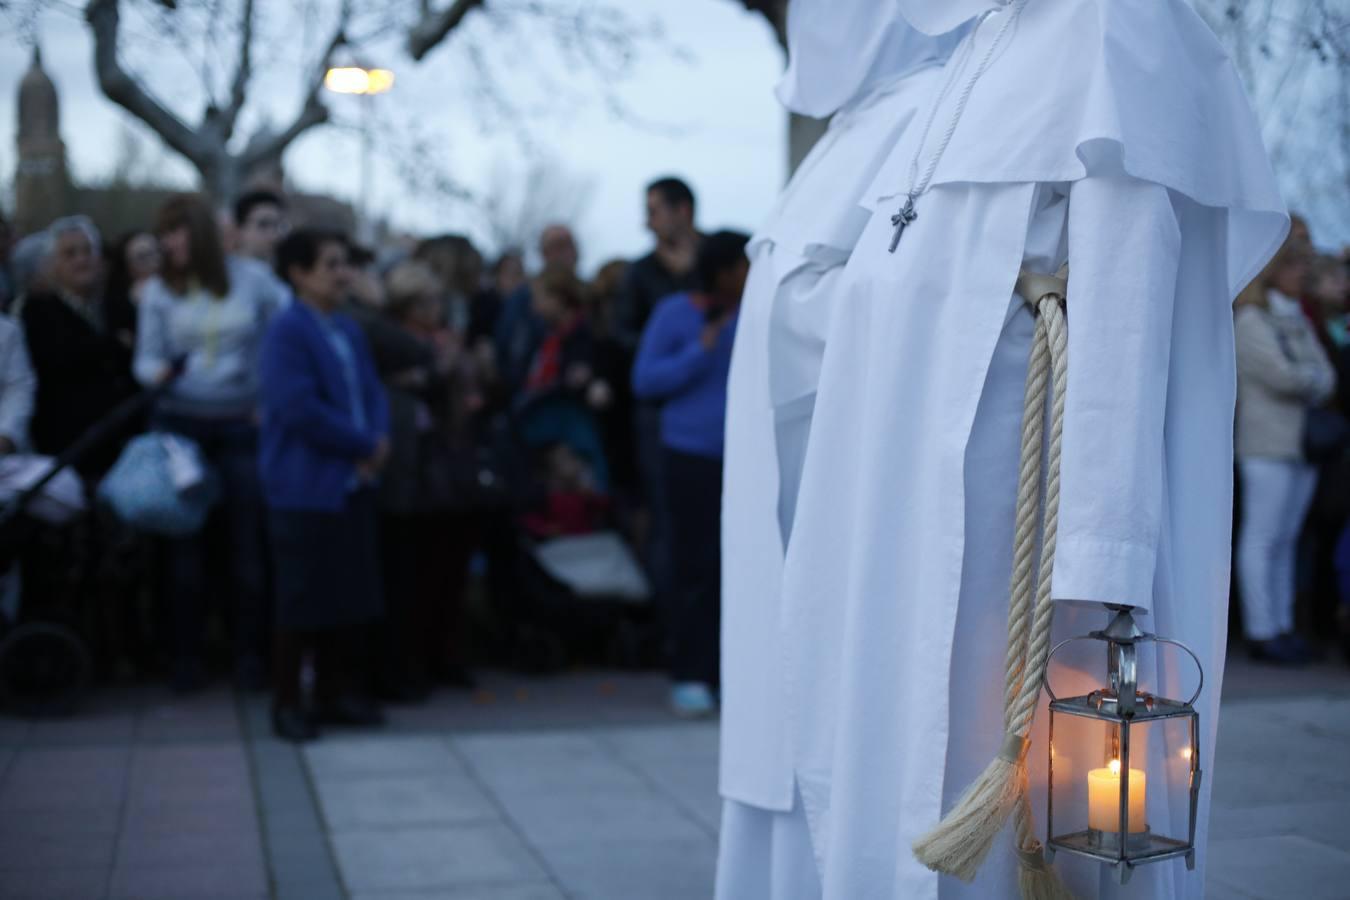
(902, 220)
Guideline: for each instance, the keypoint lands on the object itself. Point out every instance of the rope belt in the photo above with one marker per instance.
(960, 843)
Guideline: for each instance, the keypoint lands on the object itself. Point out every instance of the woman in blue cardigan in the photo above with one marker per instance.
(324, 439)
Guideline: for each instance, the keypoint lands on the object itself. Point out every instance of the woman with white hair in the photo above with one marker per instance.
(82, 369)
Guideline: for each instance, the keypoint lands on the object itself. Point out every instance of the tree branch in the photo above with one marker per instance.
(239, 89)
(104, 18)
(312, 112)
(433, 27)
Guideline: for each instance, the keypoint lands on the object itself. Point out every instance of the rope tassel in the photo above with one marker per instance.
(960, 843)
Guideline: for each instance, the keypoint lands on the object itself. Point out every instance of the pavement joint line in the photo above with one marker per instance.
(265, 778)
(507, 819)
(123, 814)
(656, 786)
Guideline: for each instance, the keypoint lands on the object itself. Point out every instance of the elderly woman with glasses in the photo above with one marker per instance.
(82, 370)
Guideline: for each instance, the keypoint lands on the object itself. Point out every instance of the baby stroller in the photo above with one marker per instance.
(582, 595)
(45, 658)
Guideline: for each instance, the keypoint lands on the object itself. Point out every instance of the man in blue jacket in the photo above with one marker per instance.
(324, 439)
(683, 361)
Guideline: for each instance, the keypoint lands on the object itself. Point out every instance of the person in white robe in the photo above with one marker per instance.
(1113, 135)
(861, 64)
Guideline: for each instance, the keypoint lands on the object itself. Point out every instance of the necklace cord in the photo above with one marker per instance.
(917, 187)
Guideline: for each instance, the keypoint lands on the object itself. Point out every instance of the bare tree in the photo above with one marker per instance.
(209, 143)
(1294, 56)
(225, 43)
(520, 203)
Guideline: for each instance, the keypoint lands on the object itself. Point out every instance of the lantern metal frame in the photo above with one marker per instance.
(1123, 705)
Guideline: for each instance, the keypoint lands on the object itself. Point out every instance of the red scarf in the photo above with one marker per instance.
(546, 371)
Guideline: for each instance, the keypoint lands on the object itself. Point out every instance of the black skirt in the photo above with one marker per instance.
(326, 565)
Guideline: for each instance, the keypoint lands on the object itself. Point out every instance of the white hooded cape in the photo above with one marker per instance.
(859, 61)
(1113, 134)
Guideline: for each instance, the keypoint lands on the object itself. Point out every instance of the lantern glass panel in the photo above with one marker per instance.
(1088, 779)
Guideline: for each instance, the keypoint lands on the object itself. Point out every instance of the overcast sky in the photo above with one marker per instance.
(706, 93)
(714, 121)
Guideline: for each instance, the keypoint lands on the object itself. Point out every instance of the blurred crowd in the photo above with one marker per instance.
(421, 460)
(425, 461)
(1292, 551)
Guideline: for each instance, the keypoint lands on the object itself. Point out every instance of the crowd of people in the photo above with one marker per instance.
(1292, 437)
(380, 422)
(350, 401)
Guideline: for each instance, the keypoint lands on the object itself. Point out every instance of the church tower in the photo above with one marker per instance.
(41, 183)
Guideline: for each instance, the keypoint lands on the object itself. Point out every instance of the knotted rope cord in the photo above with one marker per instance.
(1052, 342)
(959, 844)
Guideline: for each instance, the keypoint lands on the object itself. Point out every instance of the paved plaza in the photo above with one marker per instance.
(576, 786)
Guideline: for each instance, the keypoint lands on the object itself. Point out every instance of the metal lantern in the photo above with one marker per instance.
(1142, 737)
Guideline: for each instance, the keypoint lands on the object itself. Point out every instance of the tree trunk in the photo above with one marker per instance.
(222, 180)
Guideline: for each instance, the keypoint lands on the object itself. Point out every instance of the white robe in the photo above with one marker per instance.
(890, 637)
(797, 256)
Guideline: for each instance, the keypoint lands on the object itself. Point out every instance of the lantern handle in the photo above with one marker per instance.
(1199, 669)
(1053, 651)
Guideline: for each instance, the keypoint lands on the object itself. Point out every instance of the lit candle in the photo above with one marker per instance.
(1104, 799)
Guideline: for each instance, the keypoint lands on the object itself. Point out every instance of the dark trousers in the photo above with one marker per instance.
(694, 498)
(657, 551)
(233, 542)
(339, 659)
(425, 566)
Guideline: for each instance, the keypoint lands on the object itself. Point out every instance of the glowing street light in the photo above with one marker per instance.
(365, 83)
(358, 80)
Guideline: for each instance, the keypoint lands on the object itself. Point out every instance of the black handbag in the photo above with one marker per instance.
(1326, 434)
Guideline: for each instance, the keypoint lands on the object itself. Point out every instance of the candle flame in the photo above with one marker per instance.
(1186, 753)
(1114, 766)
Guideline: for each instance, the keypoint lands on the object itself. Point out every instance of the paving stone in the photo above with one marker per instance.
(75, 822)
(53, 884)
(298, 844)
(69, 764)
(202, 813)
(194, 764)
(683, 742)
(652, 870)
(1254, 783)
(591, 817)
(514, 751)
(1278, 868)
(14, 731)
(354, 758)
(403, 801)
(523, 891)
(538, 777)
(432, 858)
(49, 779)
(1324, 822)
(117, 728)
(693, 789)
(56, 851)
(239, 848)
(213, 719)
(213, 882)
(306, 878)
(225, 799)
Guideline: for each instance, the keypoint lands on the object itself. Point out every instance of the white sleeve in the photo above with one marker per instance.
(1124, 248)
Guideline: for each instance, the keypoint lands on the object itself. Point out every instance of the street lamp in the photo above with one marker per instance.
(366, 83)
